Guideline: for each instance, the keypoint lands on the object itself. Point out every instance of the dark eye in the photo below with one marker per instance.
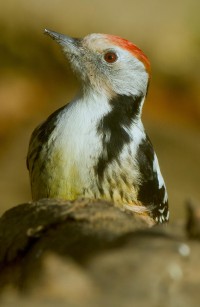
(110, 57)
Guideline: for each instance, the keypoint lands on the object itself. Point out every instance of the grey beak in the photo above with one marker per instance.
(68, 43)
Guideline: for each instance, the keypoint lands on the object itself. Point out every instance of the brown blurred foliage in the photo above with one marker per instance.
(35, 80)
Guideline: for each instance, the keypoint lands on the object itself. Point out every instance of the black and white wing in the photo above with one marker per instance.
(152, 191)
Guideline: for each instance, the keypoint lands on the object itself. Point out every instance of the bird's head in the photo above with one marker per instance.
(107, 63)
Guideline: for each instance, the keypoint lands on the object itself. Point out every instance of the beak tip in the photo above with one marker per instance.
(47, 32)
(63, 40)
(52, 34)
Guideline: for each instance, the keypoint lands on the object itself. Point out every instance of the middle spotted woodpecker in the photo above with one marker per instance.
(96, 146)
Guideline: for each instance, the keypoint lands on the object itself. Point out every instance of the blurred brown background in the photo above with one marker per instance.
(35, 80)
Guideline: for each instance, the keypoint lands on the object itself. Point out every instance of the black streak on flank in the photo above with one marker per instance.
(125, 110)
(149, 192)
(42, 134)
(45, 130)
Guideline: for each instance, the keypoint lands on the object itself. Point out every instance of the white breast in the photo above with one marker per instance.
(76, 146)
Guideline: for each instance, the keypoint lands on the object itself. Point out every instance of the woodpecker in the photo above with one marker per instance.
(96, 146)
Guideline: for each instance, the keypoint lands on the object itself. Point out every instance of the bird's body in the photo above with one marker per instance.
(96, 146)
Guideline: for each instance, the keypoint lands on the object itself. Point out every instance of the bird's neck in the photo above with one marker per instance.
(119, 108)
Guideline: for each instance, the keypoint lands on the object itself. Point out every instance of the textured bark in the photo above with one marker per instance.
(86, 253)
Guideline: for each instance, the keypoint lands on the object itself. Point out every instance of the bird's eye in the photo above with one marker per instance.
(110, 57)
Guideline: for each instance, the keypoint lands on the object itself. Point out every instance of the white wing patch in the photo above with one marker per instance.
(156, 169)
